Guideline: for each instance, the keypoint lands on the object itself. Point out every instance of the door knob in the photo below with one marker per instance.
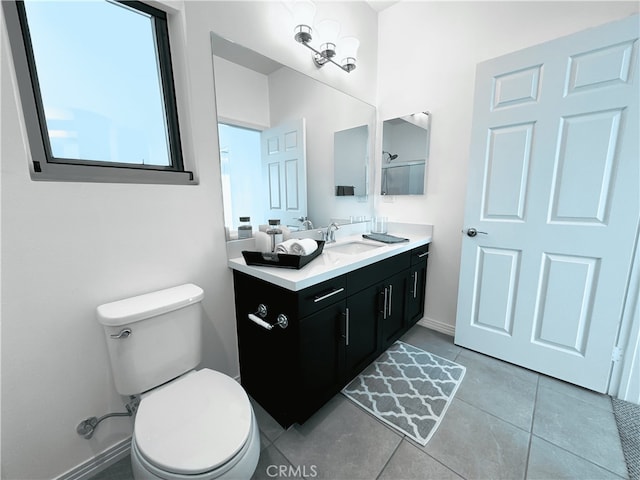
(472, 232)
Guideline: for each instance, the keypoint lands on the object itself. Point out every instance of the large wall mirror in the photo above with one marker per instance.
(278, 130)
(405, 151)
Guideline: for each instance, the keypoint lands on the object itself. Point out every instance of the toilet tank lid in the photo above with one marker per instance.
(148, 305)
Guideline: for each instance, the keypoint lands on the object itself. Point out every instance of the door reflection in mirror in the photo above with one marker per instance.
(263, 174)
(405, 150)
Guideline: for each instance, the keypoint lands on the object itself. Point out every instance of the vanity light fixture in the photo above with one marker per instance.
(328, 31)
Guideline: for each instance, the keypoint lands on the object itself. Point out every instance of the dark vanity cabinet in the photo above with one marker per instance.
(417, 279)
(333, 330)
(376, 295)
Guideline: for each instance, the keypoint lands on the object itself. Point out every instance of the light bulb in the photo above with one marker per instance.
(349, 52)
(328, 31)
(303, 13)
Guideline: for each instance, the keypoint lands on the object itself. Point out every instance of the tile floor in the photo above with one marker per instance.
(504, 422)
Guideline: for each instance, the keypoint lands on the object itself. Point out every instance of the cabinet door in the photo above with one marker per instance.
(416, 285)
(361, 343)
(393, 313)
(322, 338)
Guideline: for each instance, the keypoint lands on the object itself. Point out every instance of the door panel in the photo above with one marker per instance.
(554, 183)
(507, 168)
(495, 289)
(566, 291)
(582, 177)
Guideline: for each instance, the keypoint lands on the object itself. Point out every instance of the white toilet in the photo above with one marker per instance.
(196, 424)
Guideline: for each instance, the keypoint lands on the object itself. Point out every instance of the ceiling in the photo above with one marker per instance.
(379, 5)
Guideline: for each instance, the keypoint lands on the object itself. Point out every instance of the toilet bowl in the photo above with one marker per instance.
(199, 426)
(190, 424)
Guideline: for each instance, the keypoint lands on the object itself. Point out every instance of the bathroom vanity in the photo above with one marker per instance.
(304, 334)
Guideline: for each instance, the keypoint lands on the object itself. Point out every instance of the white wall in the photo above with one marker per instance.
(242, 95)
(68, 247)
(267, 28)
(443, 42)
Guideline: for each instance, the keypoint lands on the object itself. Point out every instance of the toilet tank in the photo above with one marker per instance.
(164, 340)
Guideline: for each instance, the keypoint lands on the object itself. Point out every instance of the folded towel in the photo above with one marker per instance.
(297, 246)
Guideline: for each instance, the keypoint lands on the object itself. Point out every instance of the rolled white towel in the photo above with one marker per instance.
(285, 247)
(295, 246)
(304, 246)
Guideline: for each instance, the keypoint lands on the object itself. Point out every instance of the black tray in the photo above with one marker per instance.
(281, 260)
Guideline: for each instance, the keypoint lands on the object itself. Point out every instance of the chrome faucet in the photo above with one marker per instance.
(306, 223)
(330, 234)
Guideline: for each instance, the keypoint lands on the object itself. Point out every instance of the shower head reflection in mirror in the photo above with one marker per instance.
(404, 171)
(256, 93)
(390, 156)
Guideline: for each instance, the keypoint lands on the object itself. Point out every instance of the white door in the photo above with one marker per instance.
(553, 192)
(284, 172)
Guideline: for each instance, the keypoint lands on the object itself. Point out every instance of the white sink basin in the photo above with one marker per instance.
(352, 248)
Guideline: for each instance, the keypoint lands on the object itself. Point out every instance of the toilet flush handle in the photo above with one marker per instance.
(124, 333)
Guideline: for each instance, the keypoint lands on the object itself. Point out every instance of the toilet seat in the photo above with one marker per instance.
(194, 424)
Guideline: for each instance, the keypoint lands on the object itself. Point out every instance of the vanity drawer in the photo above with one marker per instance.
(372, 274)
(318, 296)
(419, 254)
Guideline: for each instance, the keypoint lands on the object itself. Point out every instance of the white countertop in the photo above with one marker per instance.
(330, 264)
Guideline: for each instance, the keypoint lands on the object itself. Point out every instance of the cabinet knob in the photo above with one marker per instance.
(282, 321)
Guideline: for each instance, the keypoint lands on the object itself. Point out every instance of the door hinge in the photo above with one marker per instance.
(617, 354)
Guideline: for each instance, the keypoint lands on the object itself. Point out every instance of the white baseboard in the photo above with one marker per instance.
(95, 465)
(438, 326)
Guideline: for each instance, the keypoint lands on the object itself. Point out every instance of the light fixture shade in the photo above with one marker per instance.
(328, 31)
(303, 13)
(349, 52)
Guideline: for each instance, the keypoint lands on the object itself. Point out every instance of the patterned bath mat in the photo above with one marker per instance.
(408, 389)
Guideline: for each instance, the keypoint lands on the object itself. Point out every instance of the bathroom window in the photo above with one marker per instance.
(97, 91)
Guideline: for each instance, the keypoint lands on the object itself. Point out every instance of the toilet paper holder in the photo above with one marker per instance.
(281, 320)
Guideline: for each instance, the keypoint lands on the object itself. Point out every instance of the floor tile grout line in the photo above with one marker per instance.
(390, 457)
(573, 397)
(282, 453)
(560, 447)
(492, 415)
(403, 438)
(533, 416)
(415, 445)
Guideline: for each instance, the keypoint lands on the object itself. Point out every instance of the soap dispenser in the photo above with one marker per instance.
(275, 232)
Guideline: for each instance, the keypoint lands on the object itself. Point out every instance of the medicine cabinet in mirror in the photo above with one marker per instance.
(255, 97)
(405, 151)
(351, 161)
